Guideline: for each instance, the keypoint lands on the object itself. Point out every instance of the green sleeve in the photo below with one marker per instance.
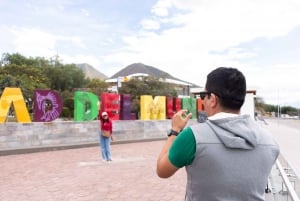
(182, 151)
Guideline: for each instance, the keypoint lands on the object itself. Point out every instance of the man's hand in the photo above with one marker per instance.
(180, 119)
(164, 168)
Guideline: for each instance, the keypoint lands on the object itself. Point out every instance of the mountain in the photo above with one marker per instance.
(149, 70)
(141, 68)
(91, 72)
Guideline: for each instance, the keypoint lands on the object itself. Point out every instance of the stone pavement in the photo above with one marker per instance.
(80, 174)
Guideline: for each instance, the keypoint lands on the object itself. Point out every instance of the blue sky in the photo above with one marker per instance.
(186, 38)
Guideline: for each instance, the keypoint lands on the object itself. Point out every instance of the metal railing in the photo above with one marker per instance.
(290, 189)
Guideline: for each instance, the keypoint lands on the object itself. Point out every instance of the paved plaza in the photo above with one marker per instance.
(81, 175)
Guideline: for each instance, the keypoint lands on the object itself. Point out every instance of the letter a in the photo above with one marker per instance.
(15, 96)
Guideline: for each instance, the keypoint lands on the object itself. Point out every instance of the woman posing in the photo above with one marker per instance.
(105, 136)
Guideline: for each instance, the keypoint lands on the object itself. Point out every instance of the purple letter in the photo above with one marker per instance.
(47, 105)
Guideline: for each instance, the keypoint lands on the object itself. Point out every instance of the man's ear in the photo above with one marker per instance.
(213, 100)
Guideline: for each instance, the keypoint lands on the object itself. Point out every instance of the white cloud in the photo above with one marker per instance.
(210, 26)
(239, 53)
(85, 12)
(34, 42)
(278, 84)
(161, 8)
(190, 33)
(80, 58)
(74, 40)
(150, 24)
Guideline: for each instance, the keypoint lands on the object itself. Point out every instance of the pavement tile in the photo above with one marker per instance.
(80, 175)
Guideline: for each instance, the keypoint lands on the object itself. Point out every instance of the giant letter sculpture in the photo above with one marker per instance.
(125, 107)
(189, 104)
(170, 107)
(47, 105)
(110, 103)
(153, 109)
(15, 96)
(86, 106)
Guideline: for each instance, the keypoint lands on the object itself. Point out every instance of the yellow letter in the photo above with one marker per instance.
(15, 96)
(153, 109)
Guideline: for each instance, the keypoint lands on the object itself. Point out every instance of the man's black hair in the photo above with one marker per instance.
(229, 84)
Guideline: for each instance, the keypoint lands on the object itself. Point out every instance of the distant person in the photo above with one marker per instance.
(228, 156)
(105, 136)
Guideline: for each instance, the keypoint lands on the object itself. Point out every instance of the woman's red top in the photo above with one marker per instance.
(106, 125)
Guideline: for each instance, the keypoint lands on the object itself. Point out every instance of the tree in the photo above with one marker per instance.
(68, 104)
(262, 107)
(38, 73)
(97, 86)
(147, 86)
(66, 77)
(16, 59)
(137, 87)
(26, 77)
